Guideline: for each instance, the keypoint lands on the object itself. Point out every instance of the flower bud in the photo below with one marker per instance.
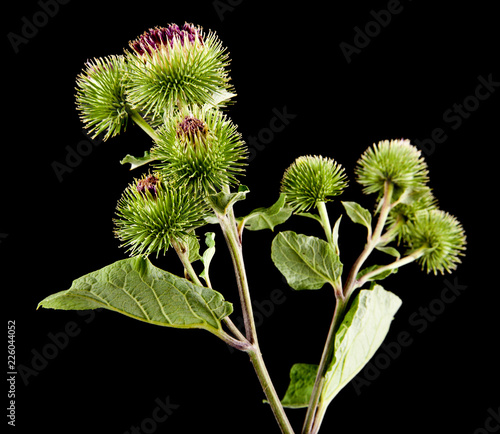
(395, 161)
(410, 204)
(100, 96)
(151, 214)
(440, 236)
(175, 66)
(312, 179)
(201, 149)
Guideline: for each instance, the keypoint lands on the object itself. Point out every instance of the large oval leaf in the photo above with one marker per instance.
(306, 262)
(136, 288)
(302, 378)
(361, 333)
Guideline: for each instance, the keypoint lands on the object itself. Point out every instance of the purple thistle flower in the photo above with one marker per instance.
(153, 39)
(192, 128)
(149, 183)
(192, 125)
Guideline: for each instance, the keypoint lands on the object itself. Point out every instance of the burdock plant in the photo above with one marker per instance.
(174, 83)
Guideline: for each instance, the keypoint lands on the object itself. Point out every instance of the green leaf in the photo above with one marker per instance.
(311, 216)
(389, 250)
(306, 262)
(221, 202)
(208, 254)
(335, 236)
(193, 247)
(137, 161)
(380, 276)
(412, 195)
(219, 98)
(302, 378)
(136, 288)
(267, 218)
(361, 333)
(212, 219)
(358, 214)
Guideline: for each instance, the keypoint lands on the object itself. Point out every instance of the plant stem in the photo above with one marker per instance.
(139, 120)
(396, 264)
(233, 240)
(325, 221)
(324, 364)
(269, 391)
(320, 414)
(230, 232)
(316, 411)
(248, 344)
(315, 424)
(235, 343)
(241, 342)
(372, 242)
(181, 251)
(235, 330)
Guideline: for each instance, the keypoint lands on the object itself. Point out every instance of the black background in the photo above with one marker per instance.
(284, 55)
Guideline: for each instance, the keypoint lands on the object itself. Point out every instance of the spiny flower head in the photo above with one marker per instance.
(442, 238)
(151, 214)
(176, 66)
(395, 161)
(200, 148)
(312, 179)
(100, 96)
(409, 205)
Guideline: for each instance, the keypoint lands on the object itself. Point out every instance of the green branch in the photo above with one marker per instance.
(139, 120)
(313, 416)
(232, 236)
(324, 364)
(396, 264)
